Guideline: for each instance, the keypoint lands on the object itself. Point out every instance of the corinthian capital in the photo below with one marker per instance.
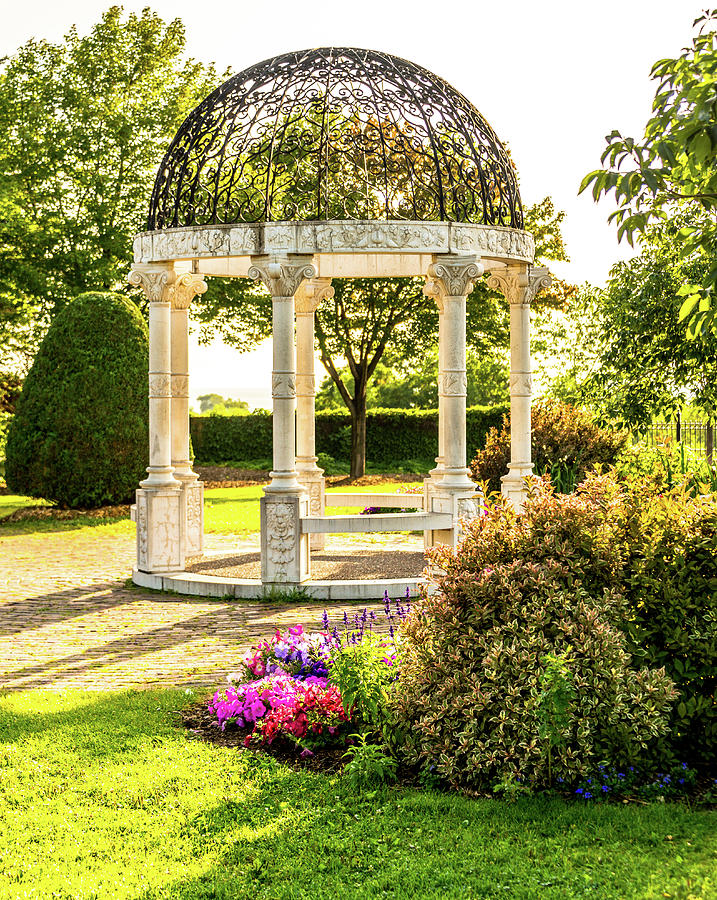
(520, 284)
(281, 275)
(186, 288)
(451, 276)
(311, 293)
(157, 282)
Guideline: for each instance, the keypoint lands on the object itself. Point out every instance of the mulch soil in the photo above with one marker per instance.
(203, 725)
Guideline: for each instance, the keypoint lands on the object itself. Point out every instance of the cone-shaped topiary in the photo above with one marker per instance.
(79, 437)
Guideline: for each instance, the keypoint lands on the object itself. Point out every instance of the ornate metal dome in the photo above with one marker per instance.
(335, 133)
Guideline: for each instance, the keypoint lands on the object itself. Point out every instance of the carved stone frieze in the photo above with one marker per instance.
(521, 384)
(180, 385)
(281, 275)
(142, 531)
(247, 239)
(160, 384)
(305, 386)
(452, 384)
(452, 277)
(194, 499)
(190, 242)
(281, 537)
(311, 293)
(244, 240)
(283, 385)
(186, 288)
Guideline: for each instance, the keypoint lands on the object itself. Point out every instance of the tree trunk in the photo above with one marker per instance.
(358, 433)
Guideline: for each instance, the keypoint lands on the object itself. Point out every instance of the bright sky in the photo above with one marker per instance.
(552, 77)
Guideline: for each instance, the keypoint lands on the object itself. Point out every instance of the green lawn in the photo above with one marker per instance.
(226, 510)
(102, 796)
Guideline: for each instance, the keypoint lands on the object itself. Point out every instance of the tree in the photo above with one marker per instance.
(79, 436)
(85, 124)
(369, 316)
(674, 167)
(396, 386)
(216, 405)
(634, 360)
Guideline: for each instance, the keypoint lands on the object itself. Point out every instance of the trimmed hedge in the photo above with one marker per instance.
(79, 436)
(392, 435)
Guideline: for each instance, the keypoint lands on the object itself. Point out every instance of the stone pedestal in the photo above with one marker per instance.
(160, 517)
(284, 549)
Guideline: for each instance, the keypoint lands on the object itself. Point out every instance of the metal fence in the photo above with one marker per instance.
(695, 435)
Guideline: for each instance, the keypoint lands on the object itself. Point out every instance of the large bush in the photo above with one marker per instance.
(79, 436)
(566, 443)
(520, 592)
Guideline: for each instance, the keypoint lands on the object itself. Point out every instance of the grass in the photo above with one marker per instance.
(226, 511)
(102, 796)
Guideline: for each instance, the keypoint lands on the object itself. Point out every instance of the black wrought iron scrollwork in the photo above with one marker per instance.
(335, 133)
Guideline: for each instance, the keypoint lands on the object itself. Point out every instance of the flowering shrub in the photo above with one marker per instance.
(305, 687)
(295, 652)
(282, 706)
(566, 443)
(517, 592)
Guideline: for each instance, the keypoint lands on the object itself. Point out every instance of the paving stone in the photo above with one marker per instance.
(68, 618)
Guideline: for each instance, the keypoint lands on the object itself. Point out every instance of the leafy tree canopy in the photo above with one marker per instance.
(629, 355)
(674, 167)
(85, 123)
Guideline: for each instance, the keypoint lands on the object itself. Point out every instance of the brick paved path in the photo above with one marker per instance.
(67, 618)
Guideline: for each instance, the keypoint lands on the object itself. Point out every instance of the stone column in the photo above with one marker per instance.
(284, 549)
(450, 280)
(308, 297)
(160, 506)
(186, 287)
(519, 284)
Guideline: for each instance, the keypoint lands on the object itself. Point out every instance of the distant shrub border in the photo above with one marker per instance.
(392, 435)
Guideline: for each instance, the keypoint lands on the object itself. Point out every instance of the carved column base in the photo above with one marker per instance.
(463, 505)
(514, 486)
(160, 530)
(284, 549)
(313, 482)
(193, 491)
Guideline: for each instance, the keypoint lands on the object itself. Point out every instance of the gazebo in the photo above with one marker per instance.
(321, 164)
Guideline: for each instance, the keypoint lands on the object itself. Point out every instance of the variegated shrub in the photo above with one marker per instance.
(518, 591)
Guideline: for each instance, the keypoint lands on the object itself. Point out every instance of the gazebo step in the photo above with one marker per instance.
(417, 521)
(399, 501)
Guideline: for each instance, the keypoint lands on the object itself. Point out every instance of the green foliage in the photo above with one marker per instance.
(671, 613)
(216, 405)
(475, 655)
(554, 703)
(396, 386)
(674, 166)
(79, 437)
(359, 670)
(368, 764)
(85, 124)
(566, 443)
(393, 435)
(638, 361)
